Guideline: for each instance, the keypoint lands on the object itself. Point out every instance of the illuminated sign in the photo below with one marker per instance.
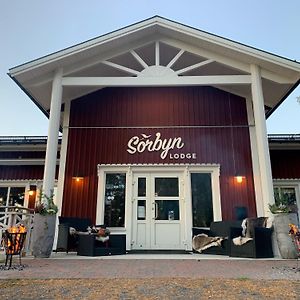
(156, 143)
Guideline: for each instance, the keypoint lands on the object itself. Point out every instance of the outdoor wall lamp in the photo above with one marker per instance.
(239, 178)
(31, 190)
(77, 178)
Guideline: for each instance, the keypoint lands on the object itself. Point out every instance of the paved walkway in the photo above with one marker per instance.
(154, 266)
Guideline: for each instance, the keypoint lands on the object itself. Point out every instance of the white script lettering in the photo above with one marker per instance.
(137, 144)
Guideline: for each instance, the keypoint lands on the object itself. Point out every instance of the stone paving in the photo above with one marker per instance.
(154, 266)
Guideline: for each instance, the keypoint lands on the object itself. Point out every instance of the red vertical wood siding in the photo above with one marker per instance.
(212, 124)
(23, 172)
(285, 164)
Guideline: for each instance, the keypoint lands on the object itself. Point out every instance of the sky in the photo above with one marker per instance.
(30, 29)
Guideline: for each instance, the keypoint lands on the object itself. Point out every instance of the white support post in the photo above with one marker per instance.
(255, 162)
(62, 167)
(63, 156)
(53, 131)
(262, 139)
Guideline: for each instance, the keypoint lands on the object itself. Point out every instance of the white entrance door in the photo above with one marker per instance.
(158, 211)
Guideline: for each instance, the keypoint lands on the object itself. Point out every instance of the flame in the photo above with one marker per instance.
(293, 229)
(14, 246)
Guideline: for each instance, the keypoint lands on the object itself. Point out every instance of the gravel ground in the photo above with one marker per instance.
(150, 288)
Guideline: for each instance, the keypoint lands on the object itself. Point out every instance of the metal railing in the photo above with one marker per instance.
(284, 137)
(16, 140)
(15, 215)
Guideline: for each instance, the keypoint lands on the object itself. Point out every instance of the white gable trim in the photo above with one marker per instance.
(158, 23)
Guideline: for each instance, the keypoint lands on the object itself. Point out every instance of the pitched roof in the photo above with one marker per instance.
(99, 57)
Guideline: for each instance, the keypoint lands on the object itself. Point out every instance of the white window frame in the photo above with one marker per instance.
(289, 183)
(215, 189)
(10, 184)
(102, 171)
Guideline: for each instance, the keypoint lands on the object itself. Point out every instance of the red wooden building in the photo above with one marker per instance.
(163, 129)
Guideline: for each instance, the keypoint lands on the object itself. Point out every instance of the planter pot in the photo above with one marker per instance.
(285, 243)
(43, 235)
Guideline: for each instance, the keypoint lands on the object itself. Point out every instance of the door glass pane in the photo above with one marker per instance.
(141, 210)
(16, 196)
(201, 199)
(3, 196)
(166, 187)
(114, 215)
(167, 210)
(141, 187)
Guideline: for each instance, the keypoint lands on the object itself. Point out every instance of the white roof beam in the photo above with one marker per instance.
(195, 66)
(157, 81)
(120, 67)
(175, 58)
(207, 54)
(157, 54)
(84, 64)
(226, 61)
(139, 59)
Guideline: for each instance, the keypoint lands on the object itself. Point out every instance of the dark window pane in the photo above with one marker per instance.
(277, 195)
(16, 196)
(114, 215)
(167, 210)
(288, 196)
(141, 187)
(3, 196)
(201, 199)
(166, 187)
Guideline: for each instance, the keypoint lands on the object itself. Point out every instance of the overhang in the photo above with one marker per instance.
(284, 141)
(182, 54)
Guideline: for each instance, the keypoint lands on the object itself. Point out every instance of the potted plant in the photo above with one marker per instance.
(44, 226)
(284, 210)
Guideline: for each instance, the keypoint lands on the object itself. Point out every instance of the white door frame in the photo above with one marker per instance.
(184, 169)
(150, 224)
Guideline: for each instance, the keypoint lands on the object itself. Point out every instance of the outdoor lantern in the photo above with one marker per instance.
(239, 178)
(78, 178)
(31, 190)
